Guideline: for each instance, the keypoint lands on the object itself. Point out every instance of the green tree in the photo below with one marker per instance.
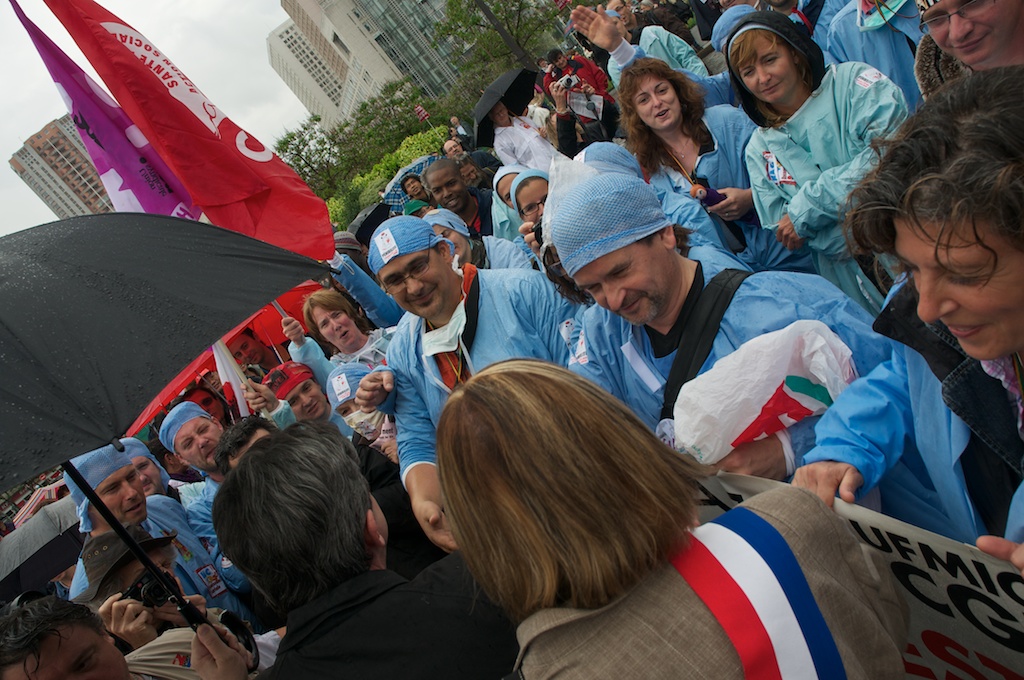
(528, 25)
(314, 153)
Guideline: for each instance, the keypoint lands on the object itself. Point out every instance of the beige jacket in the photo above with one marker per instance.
(661, 629)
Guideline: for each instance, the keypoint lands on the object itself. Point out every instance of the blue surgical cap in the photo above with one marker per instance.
(179, 415)
(601, 215)
(727, 22)
(95, 467)
(506, 170)
(446, 218)
(522, 177)
(610, 157)
(142, 450)
(400, 235)
(343, 382)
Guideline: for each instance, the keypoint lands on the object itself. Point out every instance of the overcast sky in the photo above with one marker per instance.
(221, 46)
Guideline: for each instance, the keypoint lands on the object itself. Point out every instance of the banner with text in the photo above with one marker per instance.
(966, 608)
(238, 182)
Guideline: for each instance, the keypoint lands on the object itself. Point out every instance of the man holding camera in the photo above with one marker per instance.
(587, 86)
(134, 606)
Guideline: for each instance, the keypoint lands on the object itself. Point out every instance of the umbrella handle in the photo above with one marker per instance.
(187, 609)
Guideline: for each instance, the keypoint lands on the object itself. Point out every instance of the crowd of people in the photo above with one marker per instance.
(464, 461)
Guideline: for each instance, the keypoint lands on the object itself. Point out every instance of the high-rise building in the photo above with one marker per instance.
(56, 166)
(362, 44)
(352, 69)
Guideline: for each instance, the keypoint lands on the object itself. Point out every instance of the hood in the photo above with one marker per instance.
(797, 37)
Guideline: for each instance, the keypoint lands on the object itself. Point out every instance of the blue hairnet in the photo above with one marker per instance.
(506, 170)
(522, 177)
(727, 22)
(613, 13)
(142, 450)
(95, 467)
(179, 415)
(610, 157)
(400, 236)
(601, 215)
(446, 218)
(343, 382)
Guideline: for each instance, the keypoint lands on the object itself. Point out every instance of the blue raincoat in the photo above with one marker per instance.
(521, 316)
(806, 167)
(723, 167)
(658, 43)
(502, 254)
(618, 356)
(193, 566)
(889, 48)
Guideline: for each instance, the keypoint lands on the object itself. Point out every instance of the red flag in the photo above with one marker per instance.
(239, 183)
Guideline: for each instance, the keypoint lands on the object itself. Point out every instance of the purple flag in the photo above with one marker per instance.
(135, 177)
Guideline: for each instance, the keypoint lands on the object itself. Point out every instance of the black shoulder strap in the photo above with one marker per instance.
(699, 333)
(472, 312)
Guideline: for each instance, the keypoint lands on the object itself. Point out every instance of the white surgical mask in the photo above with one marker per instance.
(447, 337)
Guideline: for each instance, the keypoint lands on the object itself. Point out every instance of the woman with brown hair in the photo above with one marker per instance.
(577, 520)
(335, 322)
(682, 145)
(813, 143)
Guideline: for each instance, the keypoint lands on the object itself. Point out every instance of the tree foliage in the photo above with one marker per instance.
(531, 24)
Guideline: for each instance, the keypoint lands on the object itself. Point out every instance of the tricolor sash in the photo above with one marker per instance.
(744, 571)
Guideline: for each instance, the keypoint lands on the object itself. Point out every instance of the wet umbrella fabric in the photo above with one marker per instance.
(35, 552)
(98, 313)
(515, 89)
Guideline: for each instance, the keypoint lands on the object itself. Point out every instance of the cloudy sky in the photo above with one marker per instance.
(220, 45)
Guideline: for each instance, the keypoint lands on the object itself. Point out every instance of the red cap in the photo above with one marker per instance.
(286, 377)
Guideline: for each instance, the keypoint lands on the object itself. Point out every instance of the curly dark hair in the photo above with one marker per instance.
(23, 630)
(952, 171)
(641, 141)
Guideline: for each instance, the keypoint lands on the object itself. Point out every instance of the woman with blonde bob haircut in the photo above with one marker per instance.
(572, 516)
(681, 144)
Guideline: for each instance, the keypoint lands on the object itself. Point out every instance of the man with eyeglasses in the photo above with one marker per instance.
(458, 322)
(971, 35)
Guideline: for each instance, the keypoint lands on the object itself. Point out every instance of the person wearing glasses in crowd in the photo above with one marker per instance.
(967, 35)
(458, 322)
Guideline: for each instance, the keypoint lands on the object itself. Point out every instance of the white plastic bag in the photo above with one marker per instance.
(766, 385)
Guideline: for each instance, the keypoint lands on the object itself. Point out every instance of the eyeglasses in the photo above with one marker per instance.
(968, 10)
(532, 208)
(417, 269)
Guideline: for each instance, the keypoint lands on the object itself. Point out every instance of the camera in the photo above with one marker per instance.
(569, 81)
(148, 590)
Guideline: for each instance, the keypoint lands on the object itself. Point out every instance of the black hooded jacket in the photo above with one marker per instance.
(796, 36)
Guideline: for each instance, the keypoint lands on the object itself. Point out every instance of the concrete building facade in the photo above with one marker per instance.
(56, 166)
(335, 54)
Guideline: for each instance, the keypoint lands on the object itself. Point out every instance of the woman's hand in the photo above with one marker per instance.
(786, 234)
(526, 230)
(292, 330)
(561, 97)
(599, 28)
(737, 203)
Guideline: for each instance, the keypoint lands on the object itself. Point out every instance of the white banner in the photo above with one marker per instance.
(966, 608)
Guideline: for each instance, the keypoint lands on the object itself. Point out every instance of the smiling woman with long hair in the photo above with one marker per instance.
(680, 143)
(579, 522)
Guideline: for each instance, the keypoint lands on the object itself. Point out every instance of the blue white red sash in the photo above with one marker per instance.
(744, 571)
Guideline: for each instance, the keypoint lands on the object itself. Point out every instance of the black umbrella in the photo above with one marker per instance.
(515, 89)
(368, 219)
(38, 550)
(98, 313)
